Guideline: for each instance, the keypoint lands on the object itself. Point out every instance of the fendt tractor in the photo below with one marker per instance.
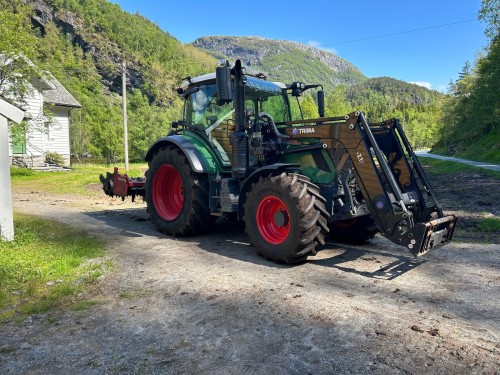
(243, 149)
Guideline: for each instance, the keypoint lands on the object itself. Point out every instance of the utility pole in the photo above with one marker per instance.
(124, 98)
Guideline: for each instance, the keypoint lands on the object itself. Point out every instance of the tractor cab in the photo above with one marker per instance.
(265, 102)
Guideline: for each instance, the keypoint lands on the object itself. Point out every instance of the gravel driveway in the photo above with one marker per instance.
(210, 305)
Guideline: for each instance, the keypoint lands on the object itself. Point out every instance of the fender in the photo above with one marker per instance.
(255, 175)
(201, 162)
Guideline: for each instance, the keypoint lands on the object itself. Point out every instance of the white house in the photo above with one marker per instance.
(44, 133)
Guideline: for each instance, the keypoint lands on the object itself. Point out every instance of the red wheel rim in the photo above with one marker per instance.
(273, 220)
(168, 192)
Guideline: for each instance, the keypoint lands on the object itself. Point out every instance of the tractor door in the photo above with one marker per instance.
(217, 121)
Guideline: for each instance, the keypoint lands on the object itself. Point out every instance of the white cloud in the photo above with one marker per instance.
(423, 84)
(317, 45)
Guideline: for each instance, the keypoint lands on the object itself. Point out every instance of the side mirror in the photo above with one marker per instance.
(321, 103)
(223, 84)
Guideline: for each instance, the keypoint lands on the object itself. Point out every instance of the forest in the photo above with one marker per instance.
(84, 42)
(471, 112)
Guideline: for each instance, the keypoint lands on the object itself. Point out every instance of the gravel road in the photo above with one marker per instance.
(480, 164)
(210, 305)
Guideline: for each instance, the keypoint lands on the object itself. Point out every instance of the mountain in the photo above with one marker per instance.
(109, 35)
(283, 61)
(83, 44)
(394, 92)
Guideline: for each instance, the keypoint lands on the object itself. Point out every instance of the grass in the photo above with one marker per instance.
(490, 224)
(83, 305)
(46, 266)
(74, 182)
(444, 167)
(485, 148)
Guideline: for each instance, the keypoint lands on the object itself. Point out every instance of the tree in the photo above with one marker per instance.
(472, 112)
(335, 102)
(309, 109)
(17, 46)
(490, 13)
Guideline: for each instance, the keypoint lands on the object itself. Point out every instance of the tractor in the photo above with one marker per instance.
(243, 149)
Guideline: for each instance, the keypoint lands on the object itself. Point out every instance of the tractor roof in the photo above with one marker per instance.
(253, 82)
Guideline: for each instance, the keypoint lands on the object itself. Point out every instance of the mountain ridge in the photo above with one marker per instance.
(283, 60)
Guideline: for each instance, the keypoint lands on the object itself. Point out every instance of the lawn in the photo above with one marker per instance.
(444, 167)
(46, 265)
(76, 181)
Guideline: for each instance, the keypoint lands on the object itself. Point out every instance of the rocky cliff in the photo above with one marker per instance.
(283, 60)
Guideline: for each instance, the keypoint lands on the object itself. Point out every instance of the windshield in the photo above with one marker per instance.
(201, 106)
(295, 108)
(262, 96)
(202, 109)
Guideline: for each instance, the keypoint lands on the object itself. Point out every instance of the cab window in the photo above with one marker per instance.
(201, 107)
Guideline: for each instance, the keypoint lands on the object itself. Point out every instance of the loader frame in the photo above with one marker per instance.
(397, 191)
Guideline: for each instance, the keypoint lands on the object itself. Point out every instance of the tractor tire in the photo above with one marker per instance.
(353, 231)
(176, 196)
(285, 217)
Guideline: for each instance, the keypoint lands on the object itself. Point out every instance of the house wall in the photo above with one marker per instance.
(43, 135)
(34, 114)
(57, 138)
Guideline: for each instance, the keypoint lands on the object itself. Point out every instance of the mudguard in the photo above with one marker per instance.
(199, 156)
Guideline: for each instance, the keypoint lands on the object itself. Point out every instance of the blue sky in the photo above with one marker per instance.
(431, 56)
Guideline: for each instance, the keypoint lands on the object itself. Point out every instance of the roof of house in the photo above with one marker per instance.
(59, 95)
(53, 91)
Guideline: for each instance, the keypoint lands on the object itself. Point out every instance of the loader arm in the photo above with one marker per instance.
(395, 187)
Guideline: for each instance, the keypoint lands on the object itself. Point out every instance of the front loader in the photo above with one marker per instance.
(243, 149)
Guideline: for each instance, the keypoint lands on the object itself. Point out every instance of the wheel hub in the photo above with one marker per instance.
(280, 218)
(273, 220)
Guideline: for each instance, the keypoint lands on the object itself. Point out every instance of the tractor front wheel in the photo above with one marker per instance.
(285, 217)
(176, 196)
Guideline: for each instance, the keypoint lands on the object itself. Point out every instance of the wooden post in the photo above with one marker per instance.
(124, 98)
(7, 111)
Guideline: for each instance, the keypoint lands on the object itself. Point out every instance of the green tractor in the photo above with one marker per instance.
(243, 149)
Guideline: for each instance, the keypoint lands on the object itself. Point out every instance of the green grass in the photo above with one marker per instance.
(485, 148)
(74, 182)
(435, 166)
(83, 305)
(46, 265)
(490, 224)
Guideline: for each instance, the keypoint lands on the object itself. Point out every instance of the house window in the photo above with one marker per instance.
(18, 137)
(46, 131)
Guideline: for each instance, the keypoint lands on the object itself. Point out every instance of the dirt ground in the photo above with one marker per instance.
(210, 305)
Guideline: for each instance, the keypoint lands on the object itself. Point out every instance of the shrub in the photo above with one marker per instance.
(54, 158)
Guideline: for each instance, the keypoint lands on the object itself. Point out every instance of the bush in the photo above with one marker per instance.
(54, 158)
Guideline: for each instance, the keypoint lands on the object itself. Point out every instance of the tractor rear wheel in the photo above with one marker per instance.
(354, 231)
(285, 217)
(176, 196)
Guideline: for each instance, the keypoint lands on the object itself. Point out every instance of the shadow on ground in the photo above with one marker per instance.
(359, 260)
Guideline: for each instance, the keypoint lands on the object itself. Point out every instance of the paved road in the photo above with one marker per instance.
(425, 153)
